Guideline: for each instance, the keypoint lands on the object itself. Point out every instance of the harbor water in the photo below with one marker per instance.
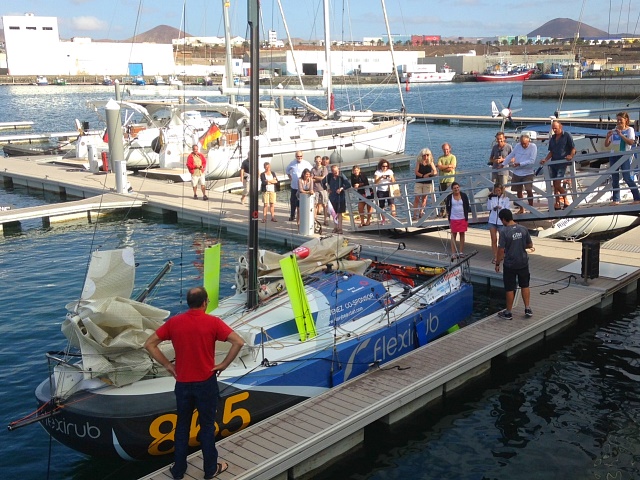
(566, 410)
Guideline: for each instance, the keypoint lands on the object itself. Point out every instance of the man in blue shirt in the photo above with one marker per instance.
(561, 147)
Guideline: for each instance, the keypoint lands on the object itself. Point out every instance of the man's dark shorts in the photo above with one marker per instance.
(557, 171)
(509, 276)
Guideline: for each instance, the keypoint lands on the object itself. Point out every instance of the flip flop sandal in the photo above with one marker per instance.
(222, 467)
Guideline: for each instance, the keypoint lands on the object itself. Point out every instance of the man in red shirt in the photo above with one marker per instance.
(197, 166)
(193, 335)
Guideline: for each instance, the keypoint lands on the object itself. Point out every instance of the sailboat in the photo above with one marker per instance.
(343, 136)
(312, 318)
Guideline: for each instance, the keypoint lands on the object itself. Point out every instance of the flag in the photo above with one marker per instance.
(211, 136)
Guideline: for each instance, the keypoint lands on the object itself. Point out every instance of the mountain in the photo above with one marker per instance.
(566, 28)
(159, 34)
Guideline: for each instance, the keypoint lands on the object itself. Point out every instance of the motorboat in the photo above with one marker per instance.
(426, 74)
(41, 80)
(159, 81)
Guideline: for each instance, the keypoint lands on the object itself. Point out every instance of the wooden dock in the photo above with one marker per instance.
(316, 433)
(62, 212)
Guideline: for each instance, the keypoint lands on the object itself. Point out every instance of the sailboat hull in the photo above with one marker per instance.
(137, 421)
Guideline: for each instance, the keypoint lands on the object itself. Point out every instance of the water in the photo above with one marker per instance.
(567, 411)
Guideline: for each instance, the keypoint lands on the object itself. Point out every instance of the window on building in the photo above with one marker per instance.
(31, 28)
(14, 28)
(47, 28)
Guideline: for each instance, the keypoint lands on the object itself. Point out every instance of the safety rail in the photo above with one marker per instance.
(587, 181)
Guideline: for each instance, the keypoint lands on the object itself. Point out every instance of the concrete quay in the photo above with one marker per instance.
(319, 432)
(615, 87)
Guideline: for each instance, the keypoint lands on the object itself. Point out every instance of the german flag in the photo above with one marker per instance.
(211, 136)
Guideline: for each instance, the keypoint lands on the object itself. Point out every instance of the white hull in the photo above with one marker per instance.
(428, 77)
(577, 228)
(373, 140)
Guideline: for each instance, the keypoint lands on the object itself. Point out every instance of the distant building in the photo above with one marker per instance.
(273, 41)
(402, 39)
(33, 47)
(418, 40)
(362, 62)
(213, 41)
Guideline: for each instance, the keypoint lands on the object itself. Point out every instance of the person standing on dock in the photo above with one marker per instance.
(512, 248)
(336, 184)
(319, 171)
(360, 181)
(268, 188)
(496, 202)
(447, 163)
(293, 171)
(457, 207)
(499, 152)
(561, 147)
(425, 171)
(622, 138)
(197, 166)
(194, 334)
(383, 177)
(521, 161)
(244, 178)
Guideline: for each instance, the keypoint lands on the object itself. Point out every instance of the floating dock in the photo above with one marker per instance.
(315, 434)
(62, 212)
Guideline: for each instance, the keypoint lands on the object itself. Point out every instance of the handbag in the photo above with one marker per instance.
(276, 186)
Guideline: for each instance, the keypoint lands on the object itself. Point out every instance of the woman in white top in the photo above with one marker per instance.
(383, 176)
(496, 201)
(621, 139)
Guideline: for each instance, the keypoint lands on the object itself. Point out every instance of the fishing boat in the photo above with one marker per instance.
(311, 319)
(159, 81)
(503, 77)
(505, 72)
(106, 80)
(41, 80)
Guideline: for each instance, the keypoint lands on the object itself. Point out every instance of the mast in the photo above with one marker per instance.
(393, 58)
(228, 64)
(327, 56)
(253, 11)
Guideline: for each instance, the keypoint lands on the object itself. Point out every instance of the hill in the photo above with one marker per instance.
(566, 28)
(159, 34)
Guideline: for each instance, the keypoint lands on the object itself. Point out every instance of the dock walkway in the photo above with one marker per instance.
(59, 212)
(314, 433)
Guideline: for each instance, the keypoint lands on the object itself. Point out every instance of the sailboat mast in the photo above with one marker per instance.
(393, 58)
(228, 64)
(327, 56)
(253, 11)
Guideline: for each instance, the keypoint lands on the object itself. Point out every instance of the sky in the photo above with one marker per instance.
(351, 19)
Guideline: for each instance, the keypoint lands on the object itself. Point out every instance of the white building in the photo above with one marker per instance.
(213, 41)
(349, 62)
(33, 47)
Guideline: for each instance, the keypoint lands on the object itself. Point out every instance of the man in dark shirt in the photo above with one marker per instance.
(512, 248)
